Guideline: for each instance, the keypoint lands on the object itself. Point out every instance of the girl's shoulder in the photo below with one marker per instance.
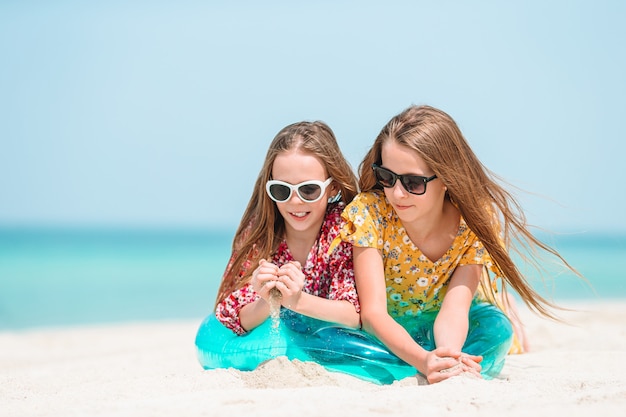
(329, 237)
(333, 220)
(333, 212)
(466, 238)
(371, 201)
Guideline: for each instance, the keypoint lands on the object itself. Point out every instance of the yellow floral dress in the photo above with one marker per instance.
(414, 283)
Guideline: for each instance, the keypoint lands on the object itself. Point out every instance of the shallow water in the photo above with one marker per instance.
(67, 276)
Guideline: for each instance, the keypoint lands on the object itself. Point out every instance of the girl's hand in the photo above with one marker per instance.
(471, 363)
(290, 282)
(443, 363)
(264, 278)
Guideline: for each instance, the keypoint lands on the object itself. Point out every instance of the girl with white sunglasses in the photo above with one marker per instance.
(282, 243)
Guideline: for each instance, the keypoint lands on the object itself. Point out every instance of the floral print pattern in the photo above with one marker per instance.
(414, 283)
(328, 272)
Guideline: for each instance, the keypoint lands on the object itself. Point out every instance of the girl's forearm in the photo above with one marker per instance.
(450, 329)
(452, 322)
(398, 340)
(335, 311)
(253, 314)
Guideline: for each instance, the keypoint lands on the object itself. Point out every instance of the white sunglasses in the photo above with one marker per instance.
(308, 191)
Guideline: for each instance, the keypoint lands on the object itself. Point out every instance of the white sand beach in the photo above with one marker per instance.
(150, 369)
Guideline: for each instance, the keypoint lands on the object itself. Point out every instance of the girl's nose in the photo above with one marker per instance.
(398, 189)
(295, 198)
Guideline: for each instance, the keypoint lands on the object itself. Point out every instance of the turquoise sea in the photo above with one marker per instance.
(59, 277)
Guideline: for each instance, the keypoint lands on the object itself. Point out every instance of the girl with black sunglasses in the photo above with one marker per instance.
(431, 230)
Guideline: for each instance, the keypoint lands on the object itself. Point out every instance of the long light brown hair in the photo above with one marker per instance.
(490, 211)
(262, 227)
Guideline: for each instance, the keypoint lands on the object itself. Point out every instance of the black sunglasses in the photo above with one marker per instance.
(414, 184)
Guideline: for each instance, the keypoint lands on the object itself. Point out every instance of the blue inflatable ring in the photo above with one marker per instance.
(341, 349)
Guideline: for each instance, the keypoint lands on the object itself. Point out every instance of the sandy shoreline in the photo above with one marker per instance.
(150, 369)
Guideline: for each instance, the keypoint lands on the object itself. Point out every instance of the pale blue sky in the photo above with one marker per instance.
(154, 113)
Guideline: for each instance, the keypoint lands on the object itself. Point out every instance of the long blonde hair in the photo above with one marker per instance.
(262, 227)
(490, 211)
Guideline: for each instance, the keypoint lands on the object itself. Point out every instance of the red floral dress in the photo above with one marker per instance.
(328, 273)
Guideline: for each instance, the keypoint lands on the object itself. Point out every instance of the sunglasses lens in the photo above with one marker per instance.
(280, 192)
(309, 192)
(414, 184)
(384, 177)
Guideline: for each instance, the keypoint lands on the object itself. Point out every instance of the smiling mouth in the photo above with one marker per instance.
(300, 214)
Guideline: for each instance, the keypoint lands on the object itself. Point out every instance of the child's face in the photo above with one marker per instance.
(301, 217)
(404, 161)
